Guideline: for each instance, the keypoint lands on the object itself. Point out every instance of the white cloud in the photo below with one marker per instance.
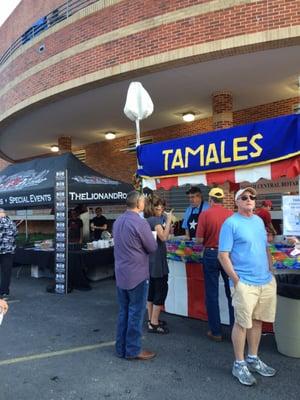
(6, 8)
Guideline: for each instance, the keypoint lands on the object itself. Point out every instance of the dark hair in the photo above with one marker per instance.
(194, 190)
(99, 208)
(81, 208)
(153, 201)
(133, 198)
(216, 200)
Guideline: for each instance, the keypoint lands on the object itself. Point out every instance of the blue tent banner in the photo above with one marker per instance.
(238, 147)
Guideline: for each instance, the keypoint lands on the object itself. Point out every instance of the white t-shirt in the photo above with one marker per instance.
(85, 218)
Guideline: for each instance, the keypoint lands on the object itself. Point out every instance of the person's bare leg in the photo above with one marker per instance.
(155, 314)
(253, 337)
(238, 337)
(253, 361)
(240, 370)
(150, 309)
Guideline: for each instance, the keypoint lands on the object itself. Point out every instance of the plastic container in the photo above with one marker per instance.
(287, 323)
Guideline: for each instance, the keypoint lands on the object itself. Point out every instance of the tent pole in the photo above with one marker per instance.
(138, 137)
(26, 225)
(138, 133)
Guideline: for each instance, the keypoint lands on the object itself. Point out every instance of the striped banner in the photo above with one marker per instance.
(289, 168)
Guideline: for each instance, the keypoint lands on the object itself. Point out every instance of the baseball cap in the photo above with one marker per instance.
(240, 192)
(267, 203)
(193, 190)
(216, 192)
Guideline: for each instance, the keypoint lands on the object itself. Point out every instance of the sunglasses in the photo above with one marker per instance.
(244, 198)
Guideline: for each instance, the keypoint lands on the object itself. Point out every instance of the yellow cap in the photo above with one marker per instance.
(216, 192)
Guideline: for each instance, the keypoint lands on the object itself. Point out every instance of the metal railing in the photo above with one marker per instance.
(57, 15)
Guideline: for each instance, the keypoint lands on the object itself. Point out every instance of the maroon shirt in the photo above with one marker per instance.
(209, 224)
(265, 215)
(133, 242)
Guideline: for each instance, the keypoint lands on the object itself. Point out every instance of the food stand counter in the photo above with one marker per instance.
(186, 295)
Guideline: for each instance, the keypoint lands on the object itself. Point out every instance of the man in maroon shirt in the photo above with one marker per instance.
(265, 215)
(208, 230)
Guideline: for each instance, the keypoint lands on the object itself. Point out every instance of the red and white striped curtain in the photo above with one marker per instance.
(289, 168)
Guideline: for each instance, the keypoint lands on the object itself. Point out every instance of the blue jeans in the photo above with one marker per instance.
(132, 307)
(212, 270)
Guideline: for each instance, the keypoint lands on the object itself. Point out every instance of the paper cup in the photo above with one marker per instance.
(154, 233)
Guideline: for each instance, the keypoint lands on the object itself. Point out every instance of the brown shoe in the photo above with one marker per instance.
(144, 355)
(215, 338)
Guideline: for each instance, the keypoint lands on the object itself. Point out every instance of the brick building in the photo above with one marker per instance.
(65, 70)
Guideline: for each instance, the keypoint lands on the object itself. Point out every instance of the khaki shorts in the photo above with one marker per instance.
(254, 302)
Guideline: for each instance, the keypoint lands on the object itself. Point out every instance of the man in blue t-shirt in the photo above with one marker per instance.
(244, 255)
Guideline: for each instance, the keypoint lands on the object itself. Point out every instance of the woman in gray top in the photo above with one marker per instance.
(160, 222)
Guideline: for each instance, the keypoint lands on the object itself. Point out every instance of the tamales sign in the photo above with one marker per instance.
(239, 147)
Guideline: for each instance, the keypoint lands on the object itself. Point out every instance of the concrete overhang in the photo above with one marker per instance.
(257, 78)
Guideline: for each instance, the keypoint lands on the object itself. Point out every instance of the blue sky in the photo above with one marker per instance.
(6, 7)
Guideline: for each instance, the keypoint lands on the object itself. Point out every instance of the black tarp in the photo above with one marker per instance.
(31, 184)
(288, 285)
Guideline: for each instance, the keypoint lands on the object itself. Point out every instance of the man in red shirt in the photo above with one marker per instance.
(208, 230)
(265, 215)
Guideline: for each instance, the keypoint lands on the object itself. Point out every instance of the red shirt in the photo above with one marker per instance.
(209, 224)
(265, 215)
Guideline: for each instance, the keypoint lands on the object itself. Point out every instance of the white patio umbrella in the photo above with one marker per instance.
(138, 106)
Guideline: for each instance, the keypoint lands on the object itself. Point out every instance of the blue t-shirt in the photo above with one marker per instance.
(246, 240)
(194, 210)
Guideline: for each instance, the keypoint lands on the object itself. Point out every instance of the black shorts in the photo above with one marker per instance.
(158, 290)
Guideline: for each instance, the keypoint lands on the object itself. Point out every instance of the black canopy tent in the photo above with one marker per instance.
(31, 184)
(59, 182)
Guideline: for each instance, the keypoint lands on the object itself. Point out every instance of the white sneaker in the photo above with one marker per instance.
(256, 365)
(242, 373)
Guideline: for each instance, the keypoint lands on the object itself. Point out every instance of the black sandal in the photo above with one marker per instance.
(163, 330)
(160, 322)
